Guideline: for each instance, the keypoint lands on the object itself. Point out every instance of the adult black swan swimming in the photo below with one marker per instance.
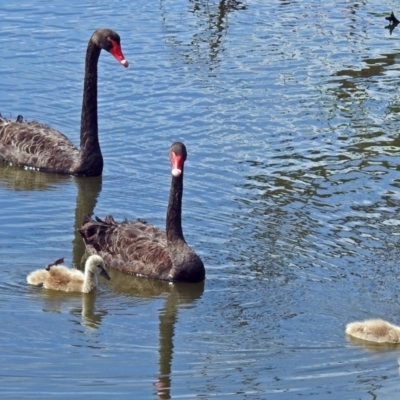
(38, 146)
(138, 248)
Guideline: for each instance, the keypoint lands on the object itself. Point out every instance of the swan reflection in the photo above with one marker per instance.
(88, 191)
(81, 305)
(177, 295)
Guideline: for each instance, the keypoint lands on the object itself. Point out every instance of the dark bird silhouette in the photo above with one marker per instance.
(393, 22)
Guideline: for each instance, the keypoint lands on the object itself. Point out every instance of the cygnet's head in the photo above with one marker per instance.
(95, 264)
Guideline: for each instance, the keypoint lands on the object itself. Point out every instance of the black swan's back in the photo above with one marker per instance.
(133, 247)
(37, 146)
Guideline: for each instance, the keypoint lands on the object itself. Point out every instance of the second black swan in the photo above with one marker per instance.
(138, 248)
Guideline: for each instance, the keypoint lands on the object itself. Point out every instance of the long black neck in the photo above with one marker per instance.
(90, 153)
(174, 212)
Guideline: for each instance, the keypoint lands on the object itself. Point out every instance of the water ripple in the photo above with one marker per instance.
(289, 112)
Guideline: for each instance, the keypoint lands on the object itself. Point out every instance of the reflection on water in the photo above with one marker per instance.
(176, 296)
(179, 295)
(373, 347)
(57, 302)
(206, 44)
(352, 81)
(19, 179)
(88, 191)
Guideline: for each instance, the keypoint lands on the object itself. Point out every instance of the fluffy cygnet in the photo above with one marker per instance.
(59, 277)
(374, 330)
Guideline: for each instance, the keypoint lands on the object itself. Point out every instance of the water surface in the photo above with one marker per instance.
(289, 111)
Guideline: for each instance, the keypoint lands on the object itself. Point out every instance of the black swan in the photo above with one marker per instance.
(37, 146)
(138, 248)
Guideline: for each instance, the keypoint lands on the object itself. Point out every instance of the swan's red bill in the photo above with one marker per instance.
(116, 51)
(177, 164)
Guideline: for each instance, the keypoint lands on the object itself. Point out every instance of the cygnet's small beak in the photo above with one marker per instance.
(104, 274)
